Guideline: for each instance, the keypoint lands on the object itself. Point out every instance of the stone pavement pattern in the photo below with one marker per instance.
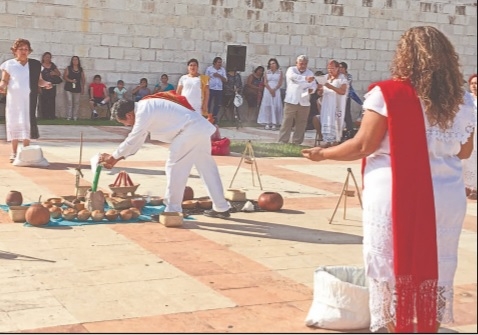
(252, 273)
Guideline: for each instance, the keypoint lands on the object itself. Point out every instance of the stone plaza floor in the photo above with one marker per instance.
(250, 273)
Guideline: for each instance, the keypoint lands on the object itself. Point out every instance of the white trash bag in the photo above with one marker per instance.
(30, 156)
(340, 299)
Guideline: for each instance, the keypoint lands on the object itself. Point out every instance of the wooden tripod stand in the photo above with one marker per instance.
(347, 193)
(249, 158)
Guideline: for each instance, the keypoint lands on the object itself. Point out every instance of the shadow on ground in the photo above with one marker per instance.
(269, 230)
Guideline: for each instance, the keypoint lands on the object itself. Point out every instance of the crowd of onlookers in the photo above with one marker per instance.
(212, 94)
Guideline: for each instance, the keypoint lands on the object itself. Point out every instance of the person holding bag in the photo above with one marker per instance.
(50, 73)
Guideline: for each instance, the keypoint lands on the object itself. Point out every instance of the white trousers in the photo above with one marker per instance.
(189, 148)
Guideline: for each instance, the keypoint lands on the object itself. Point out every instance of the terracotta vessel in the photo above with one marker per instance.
(270, 201)
(188, 193)
(55, 212)
(37, 215)
(97, 215)
(136, 212)
(126, 214)
(14, 198)
(138, 203)
(83, 215)
(111, 214)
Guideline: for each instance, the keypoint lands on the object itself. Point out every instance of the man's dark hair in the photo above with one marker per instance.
(344, 65)
(216, 60)
(121, 108)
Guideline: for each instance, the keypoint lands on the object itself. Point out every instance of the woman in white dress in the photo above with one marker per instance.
(469, 165)
(334, 101)
(271, 111)
(415, 130)
(194, 88)
(22, 77)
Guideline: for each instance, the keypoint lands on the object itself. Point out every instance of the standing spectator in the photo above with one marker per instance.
(232, 86)
(50, 73)
(195, 88)
(163, 86)
(469, 165)
(142, 90)
(74, 78)
(415, 129)
(98, 95)
(300, 84)
(217, 75)
(253, 90)
(271, 111)
(334, 98)
(21, 76)
(351, 95)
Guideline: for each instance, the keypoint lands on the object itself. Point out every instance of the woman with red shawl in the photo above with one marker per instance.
(415, 130)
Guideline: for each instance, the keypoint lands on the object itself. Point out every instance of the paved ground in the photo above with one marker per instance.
(252, 273)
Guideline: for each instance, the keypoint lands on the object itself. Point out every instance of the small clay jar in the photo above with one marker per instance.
(188, 193)
(138, 203)
(270, 201)
(14, 198)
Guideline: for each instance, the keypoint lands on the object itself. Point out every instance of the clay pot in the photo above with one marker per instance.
(14, 198)
(270, 201)
(37, 215)
(97, 215)
(126, 214)
(111, 214)
(83, 215)
(55, 212)
(138, 203)
(205, 203)
(188, 193)
(189, 204)
(69, 214)
(156, 201)
(47, 204)
(136, 212)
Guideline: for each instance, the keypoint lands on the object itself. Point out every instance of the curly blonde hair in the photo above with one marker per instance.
(427, 58)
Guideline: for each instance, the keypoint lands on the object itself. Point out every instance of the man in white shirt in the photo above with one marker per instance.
(171, 119)
(218, 77)
(300, 83)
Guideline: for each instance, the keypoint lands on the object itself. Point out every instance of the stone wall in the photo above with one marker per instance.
(130, 39)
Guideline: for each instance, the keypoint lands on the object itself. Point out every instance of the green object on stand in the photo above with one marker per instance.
(97, 177)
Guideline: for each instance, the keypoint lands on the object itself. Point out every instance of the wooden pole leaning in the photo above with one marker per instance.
(345, 193)
(249, 158)
(78, 169)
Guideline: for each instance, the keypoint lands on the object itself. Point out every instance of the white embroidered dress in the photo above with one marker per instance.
(450, 208)
(271, 111)
(332, 112)
(469, 165)
(17, 110)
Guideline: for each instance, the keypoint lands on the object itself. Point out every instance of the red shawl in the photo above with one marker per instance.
(171, 96)
(413, 210)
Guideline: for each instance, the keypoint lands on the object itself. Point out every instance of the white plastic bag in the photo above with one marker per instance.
(31, 155)
(340, 299)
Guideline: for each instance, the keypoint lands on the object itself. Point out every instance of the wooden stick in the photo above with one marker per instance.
(129, 180)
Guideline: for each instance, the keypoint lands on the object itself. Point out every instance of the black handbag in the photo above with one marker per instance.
(55, 80)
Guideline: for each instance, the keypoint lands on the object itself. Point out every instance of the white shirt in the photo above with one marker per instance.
(192, 91)
(164, 120)
(215, 83)
(297, 86)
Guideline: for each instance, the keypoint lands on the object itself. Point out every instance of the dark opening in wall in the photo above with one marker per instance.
(330, 2)
(460, 10)
(338, 10)
(367, 3)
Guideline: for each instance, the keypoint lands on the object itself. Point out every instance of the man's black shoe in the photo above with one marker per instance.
(220, 215)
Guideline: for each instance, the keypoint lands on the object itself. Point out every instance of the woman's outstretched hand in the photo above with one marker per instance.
(314, 154)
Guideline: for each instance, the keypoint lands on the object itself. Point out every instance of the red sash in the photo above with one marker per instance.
(413, 210)
(171, 96)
